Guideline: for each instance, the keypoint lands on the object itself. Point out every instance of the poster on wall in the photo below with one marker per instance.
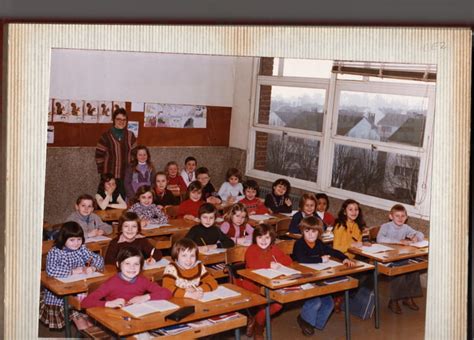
(175, 116)
(133, 127)
(91, 109)
(105, 112)
(118, 105)
(60, 110)
(151, 114)
(50, 134)
(75, 111)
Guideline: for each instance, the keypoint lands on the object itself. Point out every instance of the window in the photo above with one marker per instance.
(364, 134)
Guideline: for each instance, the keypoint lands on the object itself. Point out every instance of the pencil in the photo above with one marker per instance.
(203, 242)
(151, 254)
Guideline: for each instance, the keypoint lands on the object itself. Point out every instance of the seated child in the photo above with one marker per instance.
(68, 256)
(322, 207)
(278, 201)
(407, 286)
(348, 227)
(108, 195)
(129, 229)
(90, 223)
(206, 234)
(209, 193)
(176, 183)
(231, 190)
(163, 196)
(310, 249)
(307, 208)
(146, 210)
(186, 276)
(140, 172)
(251, 201)
(127, 287)
(262, 254)
(188, 209)
(188, 175)
(235, 225)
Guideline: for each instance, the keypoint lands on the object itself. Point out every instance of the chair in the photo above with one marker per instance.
(373, 231)
(234, 260)
(171, 211)
(282, 227)
(286, 246)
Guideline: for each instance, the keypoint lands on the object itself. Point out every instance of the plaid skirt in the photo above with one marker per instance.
(52, 315)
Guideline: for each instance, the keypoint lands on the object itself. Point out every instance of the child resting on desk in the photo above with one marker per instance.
(407, 286)
(129, 229)
(127, 287)
(310, 249)
(262, 254)
(186, 276)
(90, 223)
(146, 210)
(188, 209)
(68, 256)
(209, 193)
(206, 234)
(108, 195)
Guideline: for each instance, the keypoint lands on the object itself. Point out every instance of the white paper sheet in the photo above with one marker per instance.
(158, 264)
(420, 244)
(258, 217)
(140, 309)
(220, 293)
(97, 239)
(375, 248)
(79, 277)
(272, 273)
(322, 266)
(214, 251)
(156, 226)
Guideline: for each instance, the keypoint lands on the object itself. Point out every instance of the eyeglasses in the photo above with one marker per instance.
(121, 119)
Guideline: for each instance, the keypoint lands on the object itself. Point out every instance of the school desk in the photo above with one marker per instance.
(66, 289)
(271, 287)
(113, 318)
(272, 219)
(399, 252)
(109, 215)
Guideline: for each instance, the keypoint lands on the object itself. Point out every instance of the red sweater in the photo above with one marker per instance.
(258, 258)
(179, 181)
(189, 207)
(116, 287)
(254, 206)
(329, 219)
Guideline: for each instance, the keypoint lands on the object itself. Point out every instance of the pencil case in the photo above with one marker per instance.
(180, 313)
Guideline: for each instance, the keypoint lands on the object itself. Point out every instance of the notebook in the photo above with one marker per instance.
(97, 239)
(375, 248)
(272, 273)
(79, 277)
(155, 226)
(220, 293)
(322, 266)
(263, 217)
(158, 264)
(214, 251)
(420, 244)
(140, 309)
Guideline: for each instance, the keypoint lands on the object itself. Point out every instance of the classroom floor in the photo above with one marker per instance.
(408, 326)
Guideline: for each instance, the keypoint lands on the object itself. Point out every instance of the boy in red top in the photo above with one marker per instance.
(251, 201)
(188, 209)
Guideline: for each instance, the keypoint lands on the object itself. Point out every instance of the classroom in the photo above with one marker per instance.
(247, 126)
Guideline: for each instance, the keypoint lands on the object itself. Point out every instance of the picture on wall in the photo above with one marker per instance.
(105, 112)
(91, 110)
(60, 110)
(75, 111)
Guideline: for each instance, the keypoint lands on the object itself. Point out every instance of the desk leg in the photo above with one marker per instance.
(347, 315)
(376, 292)
(267, 315)
(237, 334)
(66, 317)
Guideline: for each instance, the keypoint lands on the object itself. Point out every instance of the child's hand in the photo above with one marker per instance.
(189, 217)
(88, 270)
(144, 222)
(356, 244)
(78, 270)
(195, 294)
(203, 249)
(161, 207)
(150, 260)
(92, 233)
(100, 232)
(348, 263)
(288, 202)
(367, 244)
(241, 240)
(115, 303)
(325, 258)
(139, 299)
(275, 265)
(405, 242)
(231, 199)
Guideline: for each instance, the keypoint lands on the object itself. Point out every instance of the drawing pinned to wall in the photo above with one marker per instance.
(175, 116)
(75, 111)
(133, 127)
(118, 105)
(60, 110)
(50, 110)
(50, 134)
(105, 112)
(151, 113)
(91, 109)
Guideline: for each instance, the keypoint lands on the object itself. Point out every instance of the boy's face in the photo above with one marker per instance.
(203, 179)
(173, 170)
(279, 189)
(129, 230)
(310, 235)
(207, 220)
(250, 193)
(187, 258)
(398, 217)
(85, 207)
(322, 205)
(190, 166)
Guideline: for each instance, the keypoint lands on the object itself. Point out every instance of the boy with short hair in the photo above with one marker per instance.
(251, 201)
(209, 193)
(89, 222)
(188, 175)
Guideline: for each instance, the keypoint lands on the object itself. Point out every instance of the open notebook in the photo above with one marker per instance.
(420, 244)
(155, 226)
(375, 248)
(322, 265)
(272, 273)
(214, 251)
(97, 239)
(139, 309)
(79, 277)
(158, 264)
(258, 217)
(220, 293)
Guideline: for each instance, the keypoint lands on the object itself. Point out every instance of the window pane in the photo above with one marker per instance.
(294, 107)
(288, 156)
(381, 174)
(307, 68)
(383, 117)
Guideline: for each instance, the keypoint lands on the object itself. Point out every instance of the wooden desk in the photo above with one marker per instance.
(273, 219)
(109, 215)
(113, 318)
(271, 286)
(399, 252)
(175, 225)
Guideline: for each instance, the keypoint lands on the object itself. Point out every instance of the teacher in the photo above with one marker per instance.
(114, 149)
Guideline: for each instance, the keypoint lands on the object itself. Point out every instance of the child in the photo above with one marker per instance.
(349, 226)
(146, 210)
(186, 276)
(188, 209)
(232, 190)
(68, 256)
(407, 286)
(208, 191)
(251, 201)
(278, 201)
(127, 287)
(322, 207)
(90, 223)
(163, 196)
(206, 235)
(310, 249)
(236, 226)
(140, 172)
(188, 175)
(129, 235)
(262, 254)
(176, 183)
(307, 208)
(108, 195)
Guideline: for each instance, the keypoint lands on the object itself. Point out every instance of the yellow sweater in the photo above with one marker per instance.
(344, 237)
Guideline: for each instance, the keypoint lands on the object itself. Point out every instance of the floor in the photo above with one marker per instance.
(407, 326)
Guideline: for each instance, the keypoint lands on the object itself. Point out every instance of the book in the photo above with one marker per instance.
(220, 293)
(156, 226)
(214, 251)
(140, 309)
(420, 244)
(158, 264)
(79, 277)
(261, 217)
(323, 265)
(97, 239)
(172, 330)
(272, 273)
(335, 280)
(375, 248)
(224, 317)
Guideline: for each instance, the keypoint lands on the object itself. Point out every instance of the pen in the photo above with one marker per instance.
(203, 242)
(151, 254)
(274, 258)
(89, 262)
